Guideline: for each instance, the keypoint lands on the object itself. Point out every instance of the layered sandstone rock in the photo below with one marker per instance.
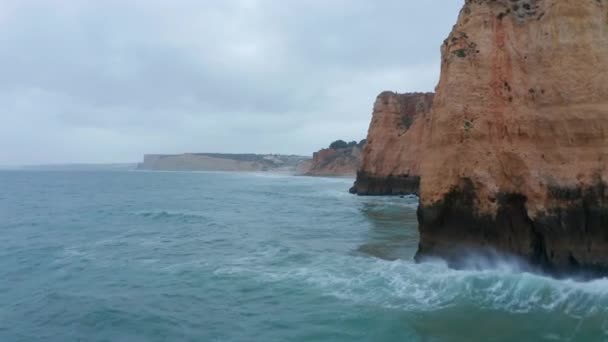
(517, 147)
(391, 157)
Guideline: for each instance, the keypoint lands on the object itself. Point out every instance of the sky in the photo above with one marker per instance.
(107, 81)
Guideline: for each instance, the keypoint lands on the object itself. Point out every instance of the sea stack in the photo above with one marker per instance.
(391, 158)
(512, 156)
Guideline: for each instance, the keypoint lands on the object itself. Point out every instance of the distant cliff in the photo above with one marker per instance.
(341, 159)
(391, 157)
(224, 162)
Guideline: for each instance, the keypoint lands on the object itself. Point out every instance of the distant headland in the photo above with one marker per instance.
(340, 159)
(225, 162)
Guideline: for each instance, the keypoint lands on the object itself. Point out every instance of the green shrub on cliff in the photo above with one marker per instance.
(338, 144)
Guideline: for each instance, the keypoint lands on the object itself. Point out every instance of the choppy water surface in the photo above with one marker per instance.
(135, 256)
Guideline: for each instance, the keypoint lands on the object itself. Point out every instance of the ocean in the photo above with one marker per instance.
(162, 256)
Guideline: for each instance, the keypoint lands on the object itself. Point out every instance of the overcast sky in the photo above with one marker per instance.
(107, 81)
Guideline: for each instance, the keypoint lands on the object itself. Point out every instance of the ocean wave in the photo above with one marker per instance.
(432, 286)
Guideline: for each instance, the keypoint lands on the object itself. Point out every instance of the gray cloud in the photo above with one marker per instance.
(104, 81)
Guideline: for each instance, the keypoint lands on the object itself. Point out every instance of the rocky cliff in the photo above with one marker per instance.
(512, 156)
(391, 158)
(517, 148)
(337, 161)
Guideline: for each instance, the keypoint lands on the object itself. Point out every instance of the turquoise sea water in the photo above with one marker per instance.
(138, 256)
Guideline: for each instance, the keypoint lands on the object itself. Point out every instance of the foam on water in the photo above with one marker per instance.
(432, 286)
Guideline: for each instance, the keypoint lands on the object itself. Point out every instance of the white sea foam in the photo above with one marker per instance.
(433, 286)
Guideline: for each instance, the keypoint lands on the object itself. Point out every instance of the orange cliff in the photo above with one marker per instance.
(391, 158)
(341, 159)
(513, 155)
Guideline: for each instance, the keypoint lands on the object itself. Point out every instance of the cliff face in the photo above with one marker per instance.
(335, 162)
(517, 148)
(391, 157)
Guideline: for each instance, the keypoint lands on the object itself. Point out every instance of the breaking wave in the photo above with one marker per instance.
(431, 286)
